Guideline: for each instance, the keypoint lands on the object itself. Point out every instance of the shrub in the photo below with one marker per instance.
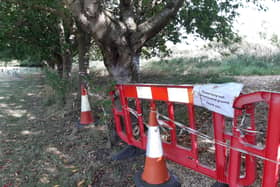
(56, 86)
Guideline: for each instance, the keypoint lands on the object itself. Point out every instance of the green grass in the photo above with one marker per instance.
(39, 151)
(202, 70)
(252, 65)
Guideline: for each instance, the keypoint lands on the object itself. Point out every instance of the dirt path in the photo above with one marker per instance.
(28, 150)
(21, 133)
(255, 83)
(37, 148)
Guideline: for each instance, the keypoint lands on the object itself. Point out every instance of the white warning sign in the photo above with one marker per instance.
(217, 97)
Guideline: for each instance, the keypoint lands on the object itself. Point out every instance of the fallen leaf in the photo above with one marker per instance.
(75, 170)
(80, 184)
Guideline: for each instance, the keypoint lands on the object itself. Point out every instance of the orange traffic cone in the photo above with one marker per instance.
(155, 170)
(86, 115)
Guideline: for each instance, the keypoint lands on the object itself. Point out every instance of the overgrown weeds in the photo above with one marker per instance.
(56, 88)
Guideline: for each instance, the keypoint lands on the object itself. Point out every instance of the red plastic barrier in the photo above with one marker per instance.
(227, 166)
(270, 153)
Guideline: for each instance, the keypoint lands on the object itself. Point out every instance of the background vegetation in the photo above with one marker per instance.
(41, 144)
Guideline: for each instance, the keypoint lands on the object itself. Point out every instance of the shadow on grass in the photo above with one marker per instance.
(37, 148)
(25, 135)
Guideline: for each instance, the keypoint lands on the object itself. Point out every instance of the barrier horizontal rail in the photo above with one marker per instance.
(224, 170)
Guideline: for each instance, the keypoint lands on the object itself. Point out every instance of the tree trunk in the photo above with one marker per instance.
(50, 64)
(65, 52)
(120, 63)
(121, 37)
(83, 50)
(67, 64)
(136, 62)
(60, 69)
(58, 63)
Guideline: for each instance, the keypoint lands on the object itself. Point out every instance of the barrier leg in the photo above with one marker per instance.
(220, 153)
(128, 152)
(218, 184)
(235, 161)
(271, 170)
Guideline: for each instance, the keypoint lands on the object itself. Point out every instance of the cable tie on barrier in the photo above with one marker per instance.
(243, 130)
(135, 114)
(242, 121)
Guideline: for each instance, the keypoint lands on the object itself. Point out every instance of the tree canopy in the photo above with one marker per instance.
(122, 29)
(28, 30)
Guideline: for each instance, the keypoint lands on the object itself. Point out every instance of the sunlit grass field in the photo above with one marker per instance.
(200, 69)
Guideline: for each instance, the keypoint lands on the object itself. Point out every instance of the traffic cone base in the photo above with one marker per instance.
(86, 118)
(172, 182)
(155, 171)
(218, 184)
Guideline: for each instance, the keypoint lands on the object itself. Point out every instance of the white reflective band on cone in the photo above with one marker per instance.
(154, 146)
(85, 104)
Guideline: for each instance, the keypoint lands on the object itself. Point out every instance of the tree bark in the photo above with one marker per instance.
(119, 64)
(65, 50)
(60, 69)
(121, 37)
(136, 65)
(67, 64)
(84, 42)
(50, 64)
(58, 63)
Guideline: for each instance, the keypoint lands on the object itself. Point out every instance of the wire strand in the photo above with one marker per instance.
(200, 134)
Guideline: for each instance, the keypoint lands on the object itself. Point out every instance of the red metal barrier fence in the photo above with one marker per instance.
(236, 150)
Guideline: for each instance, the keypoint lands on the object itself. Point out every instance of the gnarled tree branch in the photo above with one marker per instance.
(127, 15)
(155, 24)
(93, 18)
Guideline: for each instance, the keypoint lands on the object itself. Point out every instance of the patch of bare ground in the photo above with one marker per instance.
(257, 83)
